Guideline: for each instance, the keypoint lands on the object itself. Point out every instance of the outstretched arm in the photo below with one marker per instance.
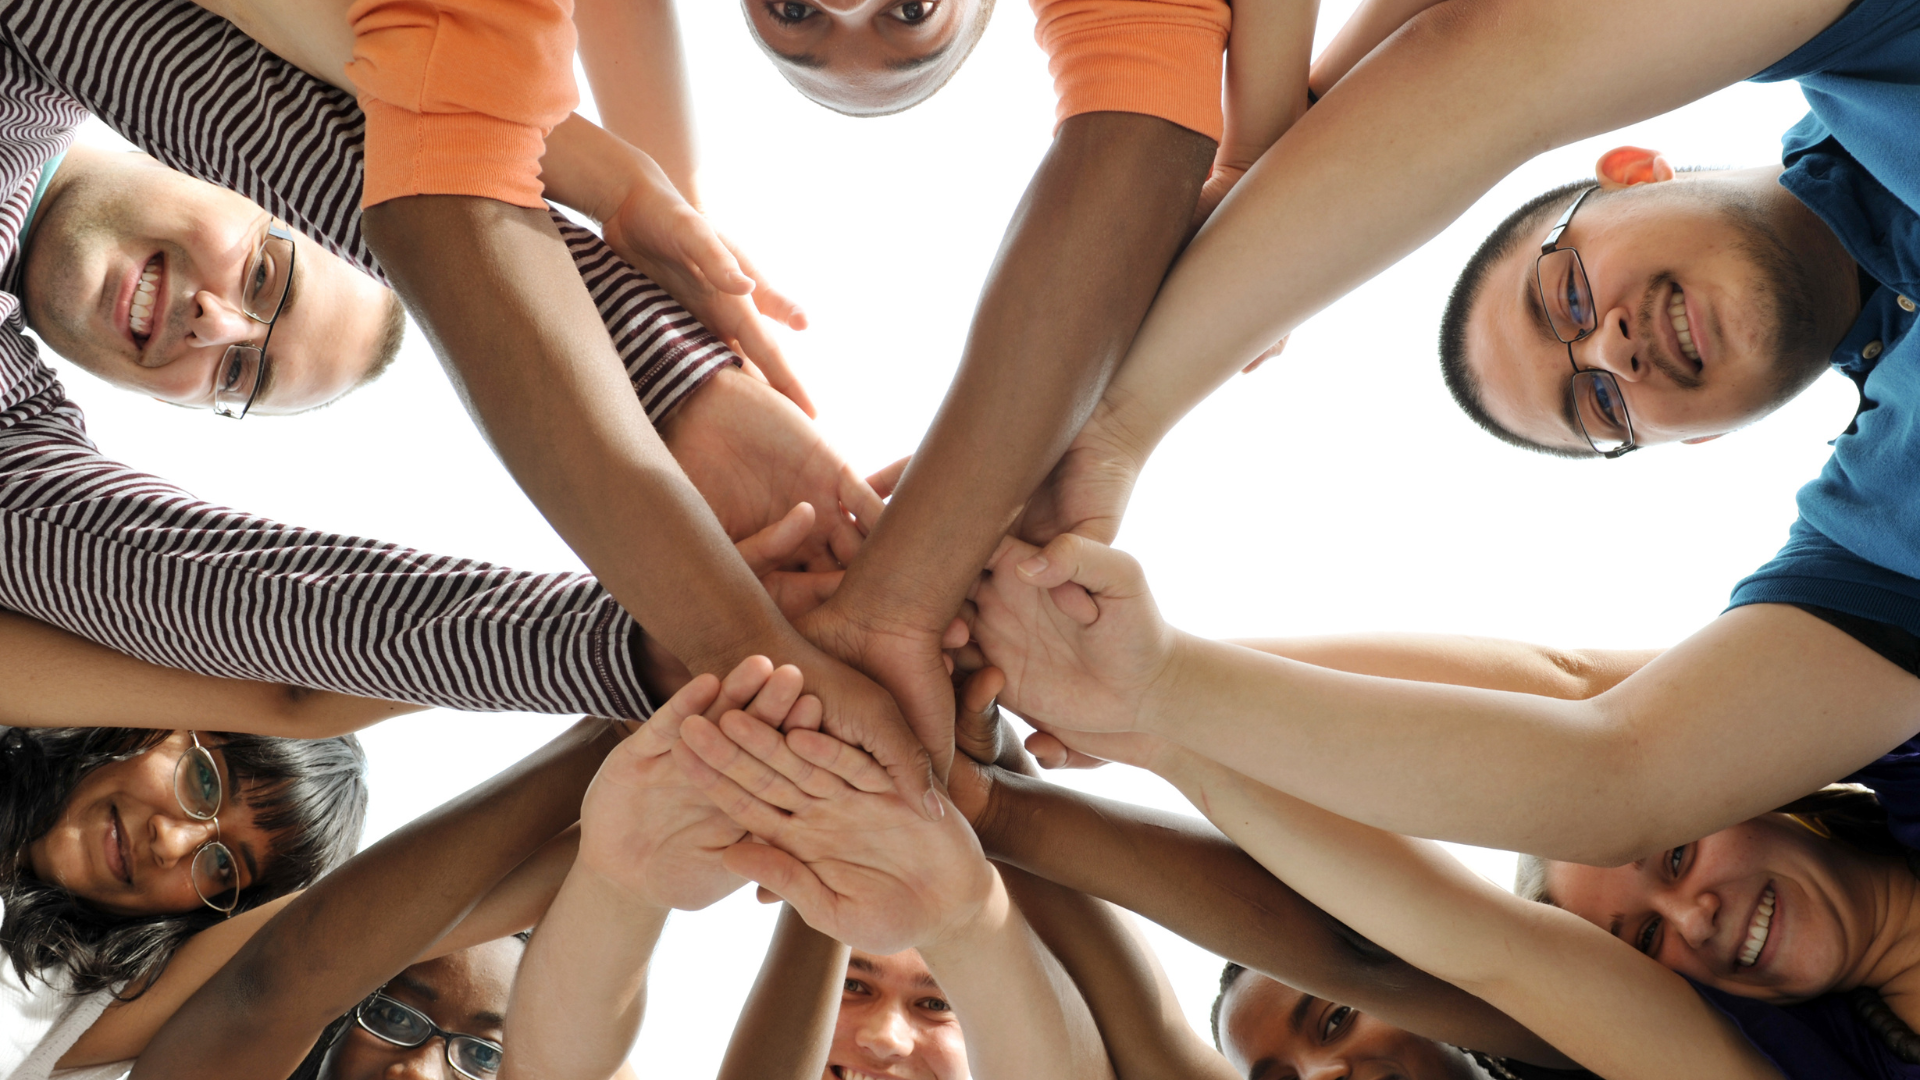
(1460, 660)
(785, 1032)
(1460, 96)
(1086, 249)
(1762, 706)
(1561, 976)
(853, 857)
(56, 679)
(259, 1015)
(649, 842)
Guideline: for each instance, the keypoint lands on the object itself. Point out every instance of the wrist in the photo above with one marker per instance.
(613, 896)
(1162, 700)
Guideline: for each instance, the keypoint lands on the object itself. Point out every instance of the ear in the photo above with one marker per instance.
(1696, 441)
(1625, 166)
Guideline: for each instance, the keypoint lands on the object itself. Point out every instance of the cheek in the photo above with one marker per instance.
(944, 1049)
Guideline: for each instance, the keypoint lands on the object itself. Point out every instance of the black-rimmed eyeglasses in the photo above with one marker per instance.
(1598, 406)
(402, 1025)
(243, 368)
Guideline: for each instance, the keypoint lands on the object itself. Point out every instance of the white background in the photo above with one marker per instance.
(1336, 489)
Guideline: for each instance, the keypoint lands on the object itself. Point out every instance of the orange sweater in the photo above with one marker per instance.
(1158, 57)
(460, 94)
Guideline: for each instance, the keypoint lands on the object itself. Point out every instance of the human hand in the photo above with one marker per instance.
(670, 241)
(842, 845)
(910, 664)
(987, 745)
(645, 828)
(1060, 748)
(1087, 491)
(1076, 632)
(753, 456)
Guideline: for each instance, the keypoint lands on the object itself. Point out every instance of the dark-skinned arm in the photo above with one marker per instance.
(1100, 223)
(1184, 875)
(785, 1032)
(384, 909)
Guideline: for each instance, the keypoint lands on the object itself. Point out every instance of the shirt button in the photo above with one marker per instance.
(1905, 304)
(1873, 348)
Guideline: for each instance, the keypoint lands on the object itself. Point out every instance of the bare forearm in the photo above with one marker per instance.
(266, 1006)
(1764, 705)
(1184, 875)
(1267, 58)
(1021, 1014)
(1132, 1003)
(581, 990)
(1374, 22)
(637, 69)
(531, 357)
(785, 1032)
(1488, 663)
(1404, 145)
(56, 679)
(1081, 260)
(518, 902)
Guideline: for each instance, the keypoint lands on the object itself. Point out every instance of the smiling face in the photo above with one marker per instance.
(1765, 909)
(465, 993)
(1716, 299)
(111, 221)
(894, 1022)
(123, 844)
(867, 57)
(1271, 1031)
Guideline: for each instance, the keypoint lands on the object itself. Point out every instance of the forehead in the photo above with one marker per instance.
(1598, 893)
(1255, 1020)
(904, 971)
(327, 332)
(1520, 366)
(468, 988)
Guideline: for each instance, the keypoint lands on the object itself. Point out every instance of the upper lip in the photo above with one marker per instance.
(1670, 338)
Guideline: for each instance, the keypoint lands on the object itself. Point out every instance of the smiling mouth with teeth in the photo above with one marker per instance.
(146, 295)
(1758, 930)
(844, 1072)
(1677, 313)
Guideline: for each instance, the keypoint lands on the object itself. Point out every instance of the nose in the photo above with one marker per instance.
(214, 319)
(178, 837)
(1692, 915)
(424, 1062)
(1612, 347)
(885, 1033)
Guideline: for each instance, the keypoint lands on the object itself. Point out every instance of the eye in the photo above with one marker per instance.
(207, 779)
(480, 1057)
(1336, 1019)
(789, 12)
(257, 281)
(854, 986)
(1607, 403)
(915, 12)
(1649, 938)
(1579, 306)
(934, 1004)
(1675, 858)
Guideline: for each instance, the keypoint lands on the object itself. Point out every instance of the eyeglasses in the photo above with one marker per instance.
(402, 1025)
(1598, 405)
(197, 788)
(243, 368)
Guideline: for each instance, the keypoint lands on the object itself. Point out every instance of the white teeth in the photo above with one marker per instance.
(1677, 314)
(1757, 931)
(145, 296)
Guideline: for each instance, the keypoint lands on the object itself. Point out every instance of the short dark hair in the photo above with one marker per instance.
(308, 795)
(1228, 976)
(386, 349)
(1461, 380)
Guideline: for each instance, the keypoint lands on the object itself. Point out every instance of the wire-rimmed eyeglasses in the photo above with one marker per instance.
(1599, 408)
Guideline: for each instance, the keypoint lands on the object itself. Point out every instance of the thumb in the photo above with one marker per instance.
(1089, 564)
(770, 548)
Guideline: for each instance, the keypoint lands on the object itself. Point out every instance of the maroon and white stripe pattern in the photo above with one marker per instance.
(134, 562)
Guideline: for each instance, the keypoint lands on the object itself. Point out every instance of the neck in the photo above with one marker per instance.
(1890, 960)
(1829, 271)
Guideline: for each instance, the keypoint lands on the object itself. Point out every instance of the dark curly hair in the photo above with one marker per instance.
(308, 796)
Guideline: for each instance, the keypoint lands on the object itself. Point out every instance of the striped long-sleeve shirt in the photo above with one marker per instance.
(133, 562)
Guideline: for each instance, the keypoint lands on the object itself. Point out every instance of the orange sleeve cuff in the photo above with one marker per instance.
(1162, 58)
(460, 94)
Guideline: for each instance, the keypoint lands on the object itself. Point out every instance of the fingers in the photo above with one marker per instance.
(740, 685)
(976, 727)
(1265, 356)
(716, 746)
(771, 748)
(772, 703)
(884, 481)
(1051, 753)
(758, 345)
(861, 499)
(781, 874)
(701, 247)
(956, 635)
(844, 762)
(754, 815)
(689, 700)
(1093, 566)
(772, 547)
(770, 301)
(797, 592)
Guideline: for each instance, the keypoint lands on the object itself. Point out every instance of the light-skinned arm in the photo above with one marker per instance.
(1549, 969)
(1184, 875)
(1762, 706)
(56, 679)
(852, 856)
(1465, 92)
(1266, 88)
(649, 842)
(1086, 249)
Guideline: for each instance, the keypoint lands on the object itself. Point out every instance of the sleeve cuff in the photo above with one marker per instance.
(1170, 68)
(410, 153)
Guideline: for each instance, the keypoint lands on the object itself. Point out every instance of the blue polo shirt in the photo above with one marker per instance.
(1855, 162)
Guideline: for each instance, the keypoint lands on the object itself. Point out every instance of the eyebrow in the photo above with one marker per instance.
(805, 60)
(417, 987)
(912, 62)
(488, 1020)
(1297, 1019)
(861, 964)
(246, 850)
